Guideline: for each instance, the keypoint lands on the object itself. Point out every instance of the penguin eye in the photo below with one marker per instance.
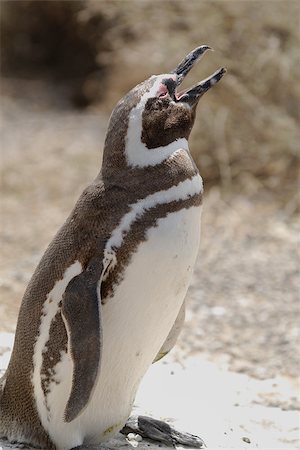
(168, 88)
(163, 91)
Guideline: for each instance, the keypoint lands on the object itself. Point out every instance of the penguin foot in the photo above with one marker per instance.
(157, 430)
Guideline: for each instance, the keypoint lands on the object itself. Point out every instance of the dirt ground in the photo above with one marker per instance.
(243, 305)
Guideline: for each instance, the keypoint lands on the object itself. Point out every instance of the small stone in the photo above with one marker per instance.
(131, 436)
(133, 439)
(246, 439)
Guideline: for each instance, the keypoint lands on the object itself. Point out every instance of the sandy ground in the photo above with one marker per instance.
(234, 372)
(226, 409)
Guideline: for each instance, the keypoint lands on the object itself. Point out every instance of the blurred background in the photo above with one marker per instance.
(64, 65)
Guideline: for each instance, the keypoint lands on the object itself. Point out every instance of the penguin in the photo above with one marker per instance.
(107, 298)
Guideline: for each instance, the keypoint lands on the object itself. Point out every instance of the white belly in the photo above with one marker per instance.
(136, 321)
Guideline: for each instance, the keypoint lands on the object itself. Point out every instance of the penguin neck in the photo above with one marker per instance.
(118, 164)
(138, 182)
(138, 155)
(124, 149)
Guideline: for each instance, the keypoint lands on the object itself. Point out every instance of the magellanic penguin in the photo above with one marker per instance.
(107, 298)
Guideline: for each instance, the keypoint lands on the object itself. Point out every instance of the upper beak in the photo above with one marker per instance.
(191, 96)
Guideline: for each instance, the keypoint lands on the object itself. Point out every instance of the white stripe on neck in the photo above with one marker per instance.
(137, 154)
(181, 191)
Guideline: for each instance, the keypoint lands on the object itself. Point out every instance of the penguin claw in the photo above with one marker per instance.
(157, 430)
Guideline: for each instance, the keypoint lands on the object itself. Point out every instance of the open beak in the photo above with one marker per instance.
(192, 95)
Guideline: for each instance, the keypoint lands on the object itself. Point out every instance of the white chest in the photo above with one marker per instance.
(137, 320)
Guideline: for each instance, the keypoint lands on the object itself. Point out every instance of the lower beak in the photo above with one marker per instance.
(192, 95)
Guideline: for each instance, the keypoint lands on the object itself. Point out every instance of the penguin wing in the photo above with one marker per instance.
(82, 317)
(173, 335)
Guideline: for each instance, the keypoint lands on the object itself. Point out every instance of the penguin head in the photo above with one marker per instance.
(155, 118)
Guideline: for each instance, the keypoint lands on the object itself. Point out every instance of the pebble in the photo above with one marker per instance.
(133, 439)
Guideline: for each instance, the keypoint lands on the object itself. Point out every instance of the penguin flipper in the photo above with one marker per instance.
(81, 315)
